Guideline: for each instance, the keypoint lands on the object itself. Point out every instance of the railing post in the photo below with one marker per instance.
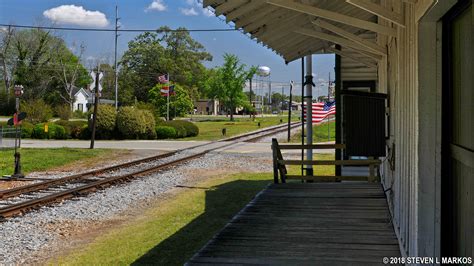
(371, 171)
(275, 160)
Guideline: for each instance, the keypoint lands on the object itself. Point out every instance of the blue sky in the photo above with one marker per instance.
(151, 14)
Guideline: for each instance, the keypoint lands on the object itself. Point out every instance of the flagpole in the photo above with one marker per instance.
(329, 95)
(168, 100)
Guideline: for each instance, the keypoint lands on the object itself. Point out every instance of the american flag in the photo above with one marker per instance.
(167, 89)
(172, 91)
(163, 79)
(164, 90)
(322, 110)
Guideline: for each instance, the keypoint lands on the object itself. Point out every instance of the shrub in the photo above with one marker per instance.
(26, 129)
(183, 128)
(7, 103)
(106, 119)
(131, 123)
(73, 128)
(63, 111)
(150, 132)
(37, 111)
(165, 132)
(54, 132)
(79, 114)
(191, 129)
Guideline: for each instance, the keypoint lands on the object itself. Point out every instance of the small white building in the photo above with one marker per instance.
(82, 98)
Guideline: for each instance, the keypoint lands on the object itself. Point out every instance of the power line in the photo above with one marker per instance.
(114, 30)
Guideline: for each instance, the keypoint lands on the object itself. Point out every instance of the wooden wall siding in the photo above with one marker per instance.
(398, 77)
(355, 70)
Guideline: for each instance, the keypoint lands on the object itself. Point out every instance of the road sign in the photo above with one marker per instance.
(18, 90)
(93, 75)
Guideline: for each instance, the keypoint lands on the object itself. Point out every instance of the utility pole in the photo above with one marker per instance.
(116, 70)
(96, 105)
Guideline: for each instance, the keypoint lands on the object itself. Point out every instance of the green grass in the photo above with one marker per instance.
(317, 169)
(44, 159)
(212, 130)
(173, 230)
(320, 133)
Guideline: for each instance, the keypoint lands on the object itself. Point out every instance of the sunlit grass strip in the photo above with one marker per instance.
(45, 159)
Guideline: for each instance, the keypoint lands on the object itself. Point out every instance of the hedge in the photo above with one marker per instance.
(106, 120)
(131, 123)
(54, 132)
(74, 129)
(183, 128)
(165, 132)
(150, 132)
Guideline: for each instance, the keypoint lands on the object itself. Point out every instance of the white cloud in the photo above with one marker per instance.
(76, 15)
(156, 5)
(207, 12)
(189, 11)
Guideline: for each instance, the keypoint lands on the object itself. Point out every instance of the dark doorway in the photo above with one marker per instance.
(457, 194)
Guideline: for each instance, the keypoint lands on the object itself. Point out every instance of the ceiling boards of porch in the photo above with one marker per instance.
(295, 28)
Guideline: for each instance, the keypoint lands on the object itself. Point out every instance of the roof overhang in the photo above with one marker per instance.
(295, 28)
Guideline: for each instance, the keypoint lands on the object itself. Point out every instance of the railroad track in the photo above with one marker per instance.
(19, 200)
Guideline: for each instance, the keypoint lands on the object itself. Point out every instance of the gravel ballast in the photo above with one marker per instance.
(27, 238)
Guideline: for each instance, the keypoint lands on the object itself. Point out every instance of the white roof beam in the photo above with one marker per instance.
(348, 35)
(207, 3)
(250, 18)
(348, 55)
(376, 57)
(244, 9)
(334, 16)
(379, 11)
(331, 38)
(227, 6)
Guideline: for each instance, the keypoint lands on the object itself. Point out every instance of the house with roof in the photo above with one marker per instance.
(84, 100)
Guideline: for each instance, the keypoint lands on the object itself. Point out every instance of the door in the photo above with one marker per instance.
(458, 137)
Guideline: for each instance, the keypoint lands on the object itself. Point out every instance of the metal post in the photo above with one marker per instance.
(250, 94)
(17, 171)
(329, 98)
(96, 105)
(309, 111)
(116, 70)
(168, 100)
(302, 113)
(289, 110)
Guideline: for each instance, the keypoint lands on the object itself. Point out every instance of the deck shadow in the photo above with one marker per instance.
(222, 202)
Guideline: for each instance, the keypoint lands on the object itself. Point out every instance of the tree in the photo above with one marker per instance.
(69, 70)
(228, 82)
(180, 104)
(42, 63)
(5, 47)
(165, 52)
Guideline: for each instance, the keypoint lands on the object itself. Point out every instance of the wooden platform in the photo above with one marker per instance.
(310, 223)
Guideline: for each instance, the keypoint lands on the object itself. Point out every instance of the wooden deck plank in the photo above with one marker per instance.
(316, 223)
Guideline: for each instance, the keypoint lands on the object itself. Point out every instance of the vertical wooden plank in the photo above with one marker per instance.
(275, 160)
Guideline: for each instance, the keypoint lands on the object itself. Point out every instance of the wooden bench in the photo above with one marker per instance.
(279, 164)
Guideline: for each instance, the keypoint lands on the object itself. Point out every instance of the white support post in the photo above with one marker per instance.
(309, 111)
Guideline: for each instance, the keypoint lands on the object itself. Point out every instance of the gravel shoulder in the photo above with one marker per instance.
(51, 232)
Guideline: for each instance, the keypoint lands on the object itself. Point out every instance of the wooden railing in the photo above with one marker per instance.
(280, 173)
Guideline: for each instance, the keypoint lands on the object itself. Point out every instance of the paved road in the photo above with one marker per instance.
(112, 144)
(158, 145)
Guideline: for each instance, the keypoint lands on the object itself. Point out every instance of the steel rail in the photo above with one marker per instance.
(91, 186)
